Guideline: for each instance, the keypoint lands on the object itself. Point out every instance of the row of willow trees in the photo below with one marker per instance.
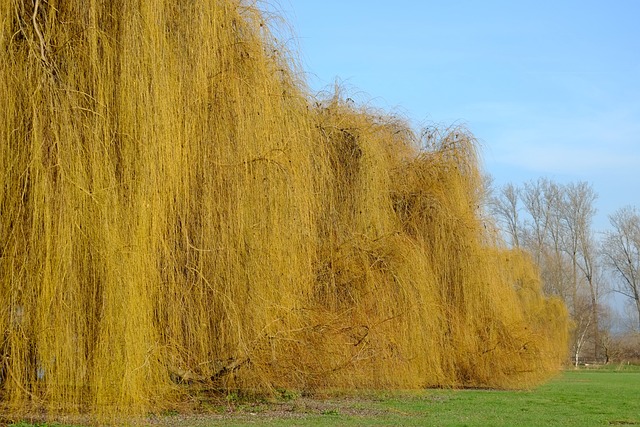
(554, 223)
(179, 215)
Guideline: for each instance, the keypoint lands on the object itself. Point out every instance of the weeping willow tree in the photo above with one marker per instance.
(176, 210)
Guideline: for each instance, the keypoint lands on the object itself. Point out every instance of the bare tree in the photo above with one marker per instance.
(621, 251)
(543, 235)
(582, 319)
(576, 214)
(505, 208)
(535, 203)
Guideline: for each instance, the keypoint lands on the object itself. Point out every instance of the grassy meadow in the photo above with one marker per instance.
(573, 398)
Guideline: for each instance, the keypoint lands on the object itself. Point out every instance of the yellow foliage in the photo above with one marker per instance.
(175, 211)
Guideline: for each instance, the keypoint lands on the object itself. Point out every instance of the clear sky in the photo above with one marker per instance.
(550, 87)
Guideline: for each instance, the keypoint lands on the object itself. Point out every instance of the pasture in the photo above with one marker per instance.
(585, 397)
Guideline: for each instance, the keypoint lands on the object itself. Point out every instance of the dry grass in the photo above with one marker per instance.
(174, 210)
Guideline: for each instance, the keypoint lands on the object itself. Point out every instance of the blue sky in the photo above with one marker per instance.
(550, 88)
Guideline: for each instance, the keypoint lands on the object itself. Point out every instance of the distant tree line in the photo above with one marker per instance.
(553, 222)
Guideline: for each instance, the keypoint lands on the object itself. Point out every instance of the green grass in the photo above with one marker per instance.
(593, 397)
